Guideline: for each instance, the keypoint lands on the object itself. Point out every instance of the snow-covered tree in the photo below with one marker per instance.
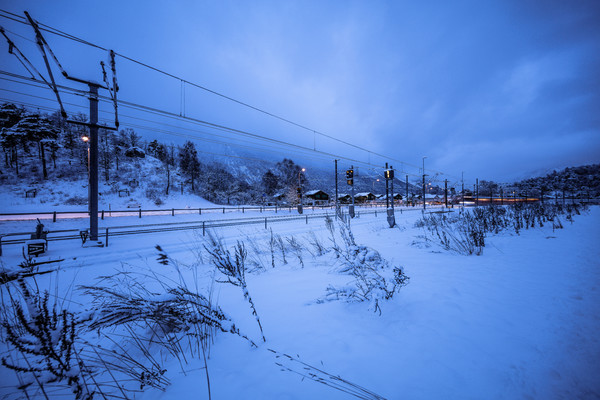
(270, 182)
(166, 157)
(40, 130)
(188, 161)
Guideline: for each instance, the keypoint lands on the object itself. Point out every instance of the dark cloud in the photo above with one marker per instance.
(494, 88)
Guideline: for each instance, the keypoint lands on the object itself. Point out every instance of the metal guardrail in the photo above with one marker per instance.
(73, 234)
(166, 211)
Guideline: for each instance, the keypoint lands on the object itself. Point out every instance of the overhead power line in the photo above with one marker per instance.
(58, 32)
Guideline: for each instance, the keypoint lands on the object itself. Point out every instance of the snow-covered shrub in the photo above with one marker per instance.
(76, 201)
(465, 231)
(317, 245)
(233, 267)
(462, 233)
(44, 337)
(50, 355)
(296, 248)
(374, 279)
(154, 194)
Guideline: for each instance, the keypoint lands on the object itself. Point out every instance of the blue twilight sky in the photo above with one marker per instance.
(498, 89)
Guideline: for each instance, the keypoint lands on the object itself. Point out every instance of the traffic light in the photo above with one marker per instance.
(389, 174)
(350, 181)
(299, 191)
(349, 174)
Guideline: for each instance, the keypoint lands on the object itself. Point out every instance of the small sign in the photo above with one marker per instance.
(36, 247)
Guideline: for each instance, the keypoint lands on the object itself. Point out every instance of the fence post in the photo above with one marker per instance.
(102, 215)
(106, 239)
(307, 218)
(140, 212)
(172, 212)
(265, 222)
(242, 210)
(223, 210)
(0, 245)
(54, 217)
(261, 209)
(203, 229)
(275, 208)
(199, 211)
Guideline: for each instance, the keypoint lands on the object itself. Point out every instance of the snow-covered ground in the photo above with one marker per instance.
(518, 322)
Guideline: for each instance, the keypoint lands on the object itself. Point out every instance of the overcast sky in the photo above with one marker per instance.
(498, 89)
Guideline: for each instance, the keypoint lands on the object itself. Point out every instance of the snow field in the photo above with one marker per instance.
(519, 321)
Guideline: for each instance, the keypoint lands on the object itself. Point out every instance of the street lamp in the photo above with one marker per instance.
(374, 185)
(300, 190)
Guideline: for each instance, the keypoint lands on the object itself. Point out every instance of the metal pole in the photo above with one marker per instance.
(446, 192)
(336, 189)
(406, 190)
(93, 198)
(424, 182)
(387, 195)
(352, 213)
(463, 188)
(477, 192)
(391, 216)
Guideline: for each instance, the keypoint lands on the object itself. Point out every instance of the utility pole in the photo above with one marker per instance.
(463, 188)
(501, 196)
(336, 189)
(389, 175)
(387, 204)
(446, 192)
(477, 192)
(300, 190)
(406, 189)
(93, 183)
(424, 198)
(93, 126)
(350, 181)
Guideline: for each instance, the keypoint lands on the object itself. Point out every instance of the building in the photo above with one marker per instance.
(344, 198)
(318, 197)
(363, 197)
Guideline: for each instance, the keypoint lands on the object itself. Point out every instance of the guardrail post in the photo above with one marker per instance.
(199, 211)
(375, 212)
(307, 219)
(106, 238)
(140, 213)
(0, 245)
(54, 217)
(275, 208)
(223, 210)
(261, 209)
(203, 229)
(172, 212)
(265, 222)
(102, 215)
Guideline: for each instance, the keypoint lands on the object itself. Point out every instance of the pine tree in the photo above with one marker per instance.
(40, 130)
(188, 161)
(166, 157)
(270, 182)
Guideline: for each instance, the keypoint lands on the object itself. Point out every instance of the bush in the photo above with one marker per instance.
(76, 201)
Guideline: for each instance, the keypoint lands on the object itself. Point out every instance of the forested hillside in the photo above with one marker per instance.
(42, 150)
